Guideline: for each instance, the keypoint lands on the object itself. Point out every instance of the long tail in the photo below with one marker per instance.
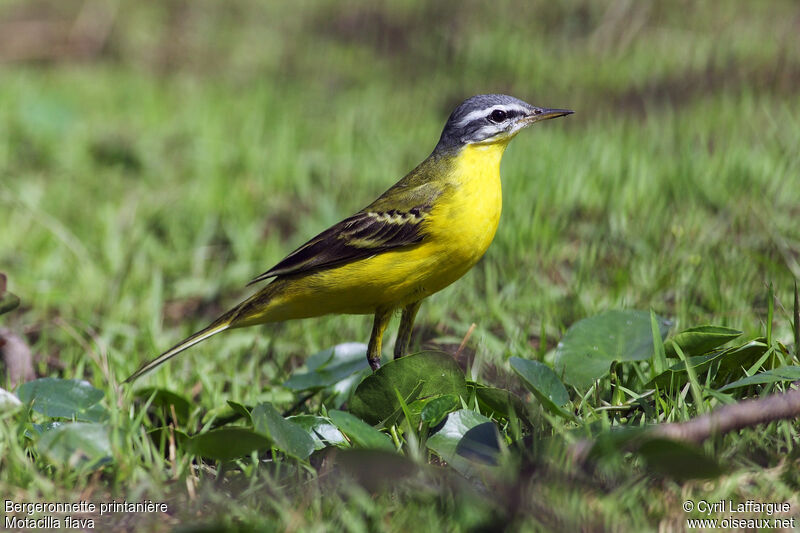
(220, 324)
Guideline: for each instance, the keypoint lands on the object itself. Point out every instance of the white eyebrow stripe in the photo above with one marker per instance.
(481, 113)
(484, 132)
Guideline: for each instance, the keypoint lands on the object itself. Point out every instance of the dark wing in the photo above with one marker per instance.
(356, 237)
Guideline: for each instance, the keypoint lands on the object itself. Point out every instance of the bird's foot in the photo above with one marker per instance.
(374, 364)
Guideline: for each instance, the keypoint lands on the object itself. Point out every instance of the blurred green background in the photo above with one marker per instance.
(155, 156)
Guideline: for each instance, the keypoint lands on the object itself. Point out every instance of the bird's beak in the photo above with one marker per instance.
(539, 113)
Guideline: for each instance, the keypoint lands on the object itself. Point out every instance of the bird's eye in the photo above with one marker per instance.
(498, 115)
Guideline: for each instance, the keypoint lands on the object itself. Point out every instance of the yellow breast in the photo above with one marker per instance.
(465, 220)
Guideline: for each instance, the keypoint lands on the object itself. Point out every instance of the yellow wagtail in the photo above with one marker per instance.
(417, 238)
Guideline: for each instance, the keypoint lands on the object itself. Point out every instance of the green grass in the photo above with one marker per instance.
(140, 190)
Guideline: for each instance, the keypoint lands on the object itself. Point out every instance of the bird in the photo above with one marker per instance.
(422, 234)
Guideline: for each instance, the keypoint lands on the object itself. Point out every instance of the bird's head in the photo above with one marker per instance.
(491, 118)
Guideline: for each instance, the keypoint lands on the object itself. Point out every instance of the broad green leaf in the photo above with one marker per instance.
(445, 441)
(227, 443)
(776, 375)
(436, 409)
(63, 398)
(501, 403)
(736, 360)
(611, 442)
(231, 411)
(165, 398)
(8, 402)
(592, 344)
(728, 362)
(413, 410)
(676, 374)
(336, 371)
(41, 428)
(240, 410)
(699, 340)
(664, 457)
(77, 445)
(544, 384)
(480, 444)
(96, 413)
(416, 376)
(321, 430)
(361, 434)
(286, 435)
(328, 367)
(678, 460)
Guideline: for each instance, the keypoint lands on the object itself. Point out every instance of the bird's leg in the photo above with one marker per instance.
(404, 333)
(382, 317)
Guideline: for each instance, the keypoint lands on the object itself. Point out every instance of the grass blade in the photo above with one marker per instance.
(796, 325)
(659, 357)
(697, 392)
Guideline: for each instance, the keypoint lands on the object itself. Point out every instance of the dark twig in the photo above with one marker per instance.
(796, 321)
(727, 418)
(16, 355)
(744, 414)
(464, 340)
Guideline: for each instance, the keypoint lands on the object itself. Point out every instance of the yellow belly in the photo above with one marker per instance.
(458, 231)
